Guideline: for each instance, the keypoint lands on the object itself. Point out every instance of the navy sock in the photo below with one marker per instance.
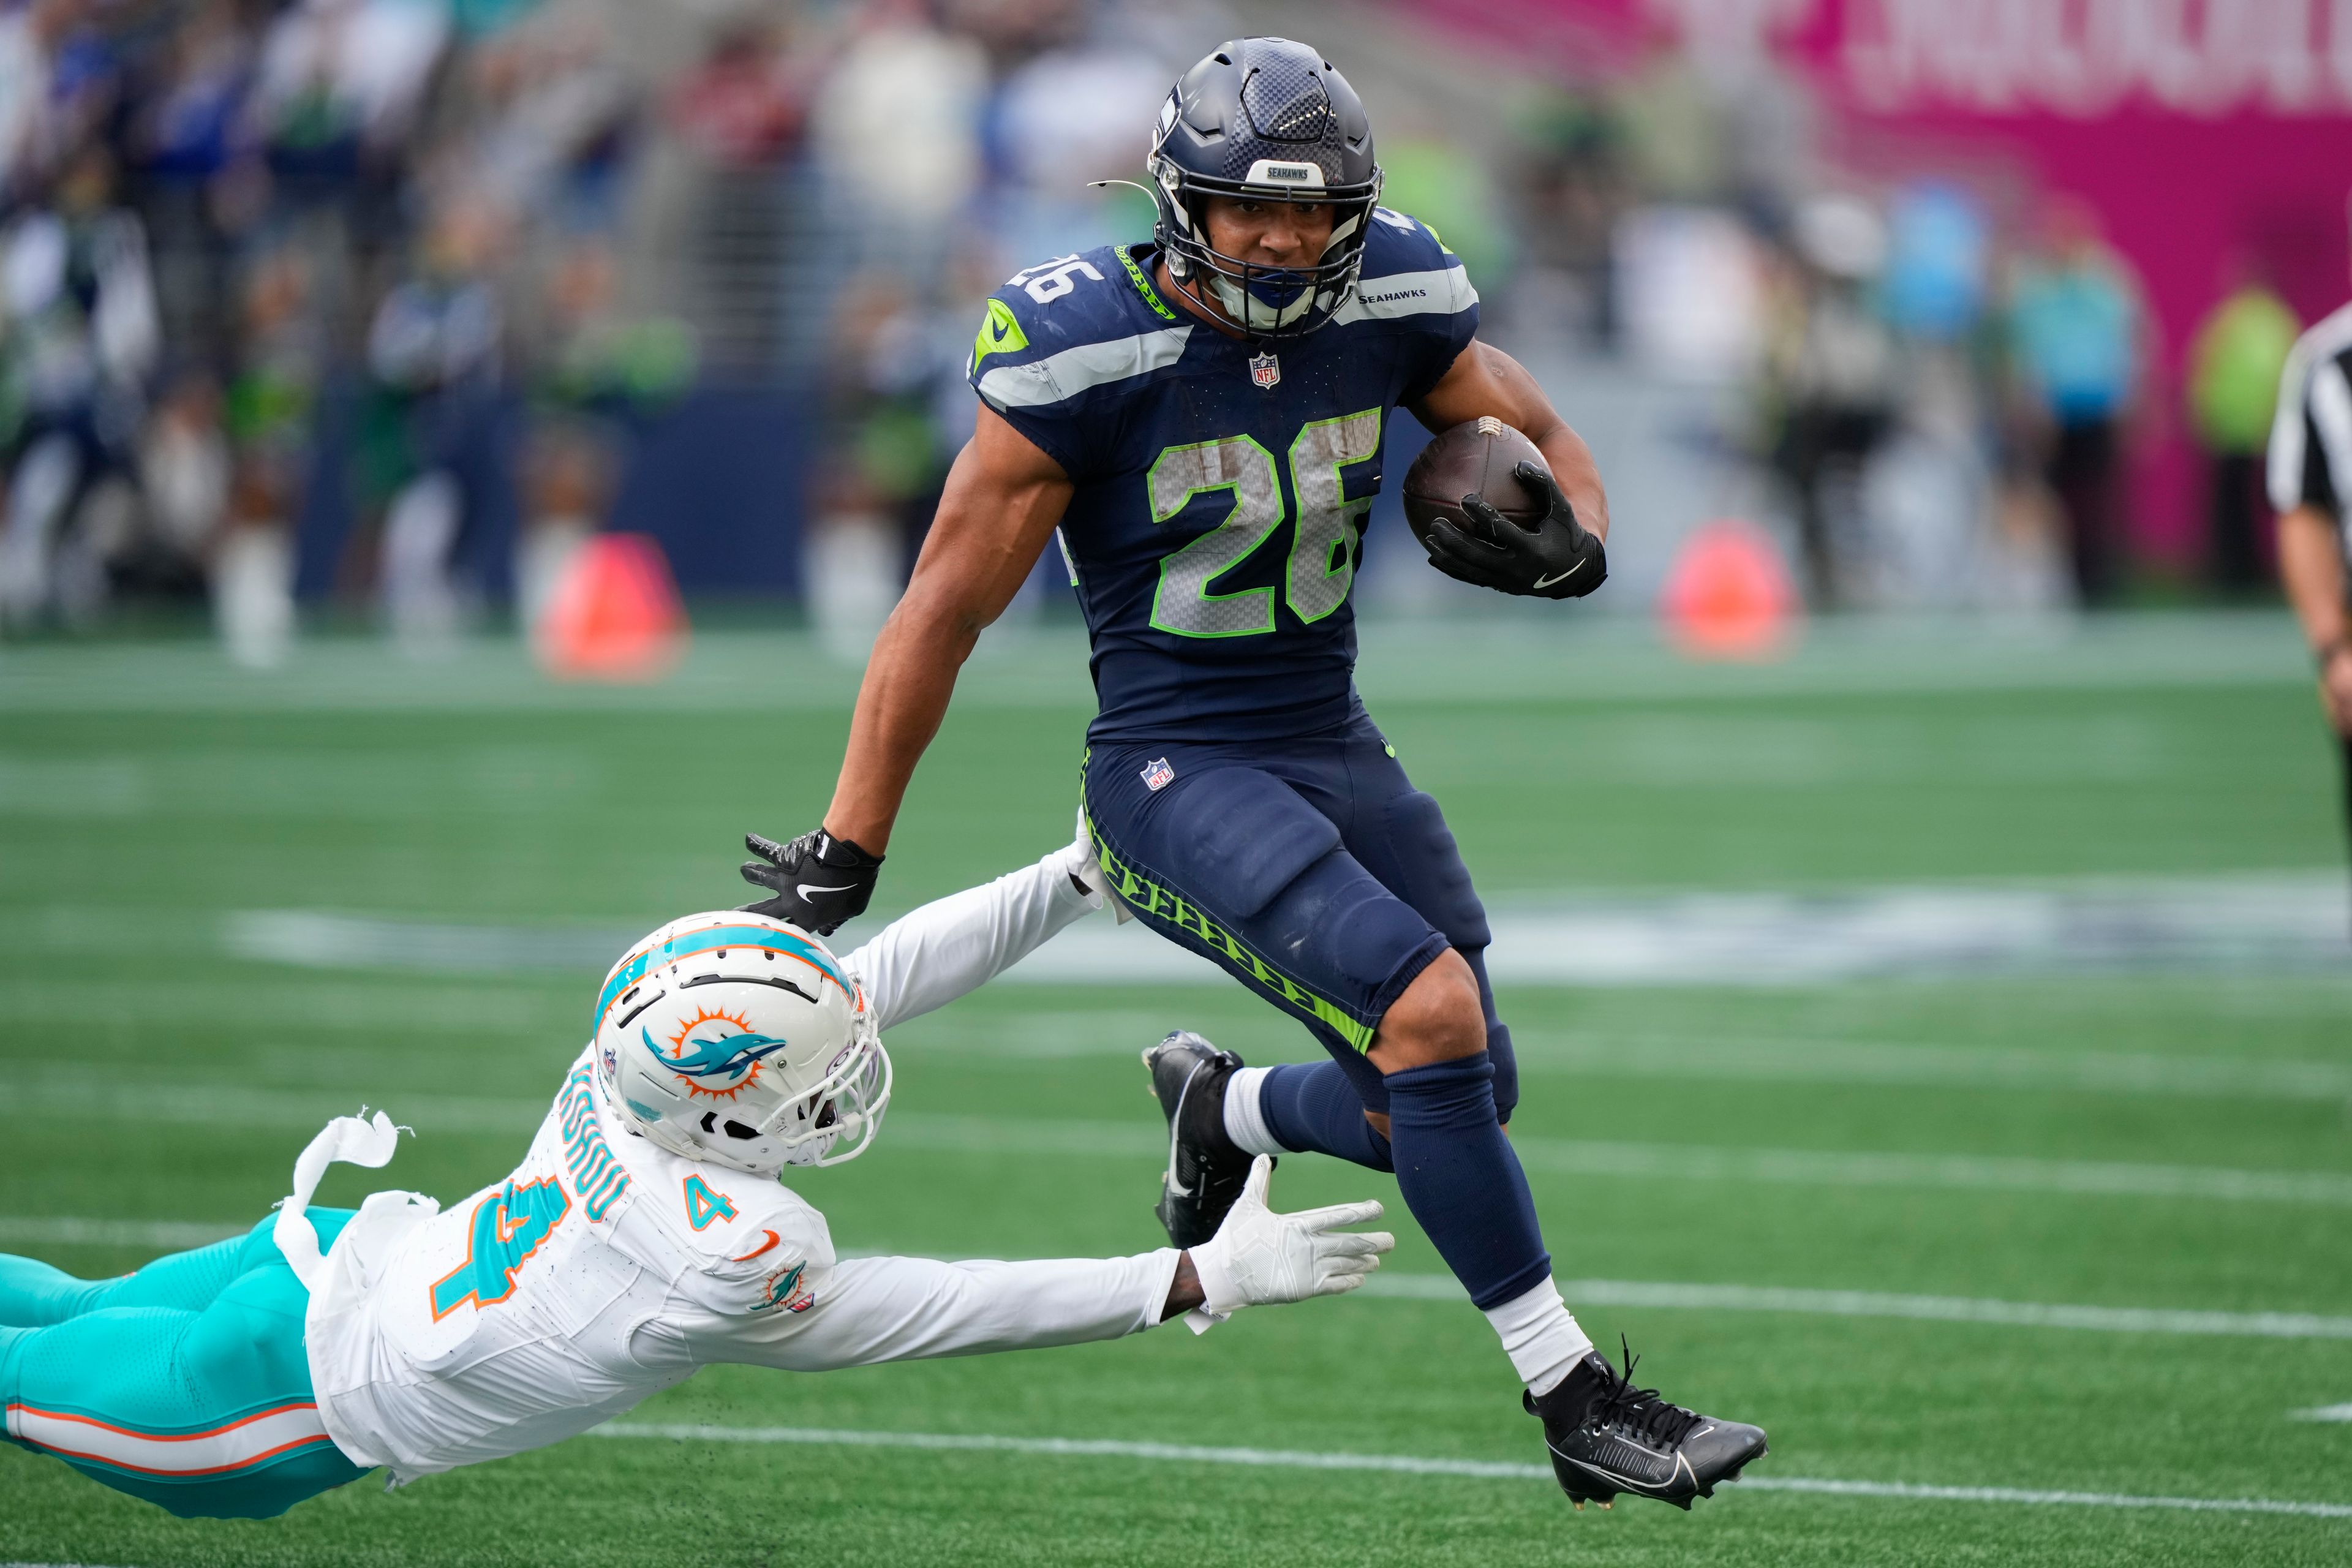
(1315, 1109)
(1461, 1180)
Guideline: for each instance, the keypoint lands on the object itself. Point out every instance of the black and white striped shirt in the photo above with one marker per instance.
(2311, 434)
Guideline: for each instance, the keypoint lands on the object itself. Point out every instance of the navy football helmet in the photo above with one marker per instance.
(1265, 120)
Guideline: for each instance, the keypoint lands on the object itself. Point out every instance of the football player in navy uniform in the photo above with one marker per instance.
(1200, 419)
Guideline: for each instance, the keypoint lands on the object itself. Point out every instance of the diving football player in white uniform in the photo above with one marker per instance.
(644, 1236)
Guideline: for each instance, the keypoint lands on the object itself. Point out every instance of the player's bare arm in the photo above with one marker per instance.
(1485, 382)
(2311, 568)
(1002, 499)
(1561, 555)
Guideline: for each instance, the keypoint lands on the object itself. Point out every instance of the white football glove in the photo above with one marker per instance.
(1259, 1258)
(1079, 860)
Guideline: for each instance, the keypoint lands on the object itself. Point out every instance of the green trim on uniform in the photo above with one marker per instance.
(1146, 897)
(1143, 285)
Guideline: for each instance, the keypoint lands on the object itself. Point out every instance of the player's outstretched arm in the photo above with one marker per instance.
(1003, 499)
(953, 946)
(873, 1310)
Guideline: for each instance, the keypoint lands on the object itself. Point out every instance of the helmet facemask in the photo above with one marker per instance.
(1263, 302)
(847, 1107)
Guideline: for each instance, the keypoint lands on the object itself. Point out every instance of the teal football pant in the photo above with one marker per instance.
(185, 1384)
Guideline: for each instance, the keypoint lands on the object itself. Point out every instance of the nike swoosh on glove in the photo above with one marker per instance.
(818, 881)
(1558, 558)
(1259, 1258)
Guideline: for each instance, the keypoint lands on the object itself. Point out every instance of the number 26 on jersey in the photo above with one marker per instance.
(1322, 564)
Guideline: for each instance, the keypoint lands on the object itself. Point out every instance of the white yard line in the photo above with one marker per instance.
(1802, 1059)
(1581, 1293)
(1482, 1469)
(1678, 1162)
(1505, 658)
(1016, 1041)
(224, 1106)
(2322, 1413)
(2255, 921)
(1964, 1172)
(70, 1230)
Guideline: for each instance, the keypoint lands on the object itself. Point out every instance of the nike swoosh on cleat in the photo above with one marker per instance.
(1547, 582)
(1175, 1119)
(1625, 1482)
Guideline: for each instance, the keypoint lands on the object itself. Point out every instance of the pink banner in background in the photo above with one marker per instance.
(2204, 132)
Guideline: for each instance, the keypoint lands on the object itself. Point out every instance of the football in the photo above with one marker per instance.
(1473, 459)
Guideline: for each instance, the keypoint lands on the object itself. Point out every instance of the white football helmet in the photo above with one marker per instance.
(740, 1040)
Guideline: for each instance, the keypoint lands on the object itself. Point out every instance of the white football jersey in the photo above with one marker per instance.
(514, 1319)
(604, 1269)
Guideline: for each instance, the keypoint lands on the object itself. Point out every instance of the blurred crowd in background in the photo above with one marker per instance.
(380, 308)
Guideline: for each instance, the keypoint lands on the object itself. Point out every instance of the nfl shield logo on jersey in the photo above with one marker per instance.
(1157, 775)
(1265, 370)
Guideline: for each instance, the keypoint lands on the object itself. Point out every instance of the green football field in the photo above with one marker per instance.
(2015, 1253)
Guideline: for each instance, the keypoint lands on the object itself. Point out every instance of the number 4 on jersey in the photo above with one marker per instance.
(704, 1206)
(1322, 565)
(507, 1227)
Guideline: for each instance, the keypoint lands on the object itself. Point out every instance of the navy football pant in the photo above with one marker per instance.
(1311, 870)
(1317, 876)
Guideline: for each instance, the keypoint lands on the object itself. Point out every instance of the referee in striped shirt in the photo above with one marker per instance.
(2310, 485)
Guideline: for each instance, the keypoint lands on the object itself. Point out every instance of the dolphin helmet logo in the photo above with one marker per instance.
(719, 1068)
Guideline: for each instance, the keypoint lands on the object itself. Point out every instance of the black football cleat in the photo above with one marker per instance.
(1608, 1437)
(1205, 1172)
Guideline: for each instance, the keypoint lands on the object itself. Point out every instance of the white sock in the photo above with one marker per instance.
(1244, 1116)
(1539, 1335)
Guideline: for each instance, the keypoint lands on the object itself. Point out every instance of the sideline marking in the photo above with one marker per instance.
(2322, 1413)
(1483, 1470)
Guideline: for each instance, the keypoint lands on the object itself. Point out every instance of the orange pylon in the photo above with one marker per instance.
(615, 614)
(1729, 594)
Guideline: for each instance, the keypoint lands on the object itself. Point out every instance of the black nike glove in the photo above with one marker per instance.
(819, 881)
(1558, 558)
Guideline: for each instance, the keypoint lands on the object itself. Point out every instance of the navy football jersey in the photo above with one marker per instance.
(1221, 486)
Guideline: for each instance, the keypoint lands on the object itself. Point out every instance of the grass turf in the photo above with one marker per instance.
(130, 826)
